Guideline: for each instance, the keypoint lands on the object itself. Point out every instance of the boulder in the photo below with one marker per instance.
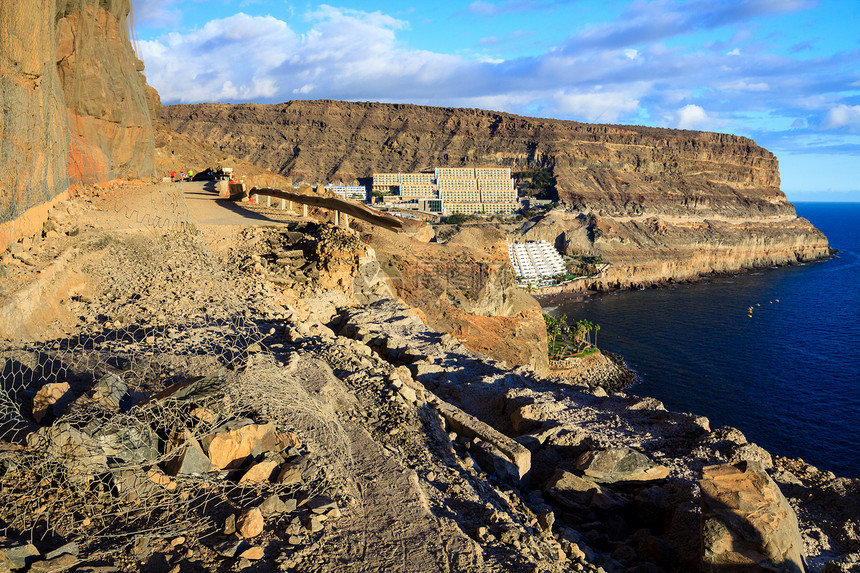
(578, 494)
(747, 524)
(254, 553)
(55, 565)
(750, 452)
(619, 465)
(128, 439)
(76, 450)
(234, 443)
(191, 459)
(109, 392)
(51, 399)
(19, 555)
(274, 506)
(250, 523)
(494, 462)
(259, 473)
(291, 472)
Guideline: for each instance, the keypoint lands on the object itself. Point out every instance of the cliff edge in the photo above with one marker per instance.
(657, 204)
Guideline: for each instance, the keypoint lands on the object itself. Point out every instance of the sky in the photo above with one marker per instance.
(785, 73)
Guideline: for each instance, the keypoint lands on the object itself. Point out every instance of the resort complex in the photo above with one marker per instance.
(354, 192)
(449, 190)
(536, 263)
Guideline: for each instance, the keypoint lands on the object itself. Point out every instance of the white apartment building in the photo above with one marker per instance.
(354, 192)
(536, 262)
(464, 190)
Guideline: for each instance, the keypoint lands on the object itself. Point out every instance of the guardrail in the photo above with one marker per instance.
(341, 207)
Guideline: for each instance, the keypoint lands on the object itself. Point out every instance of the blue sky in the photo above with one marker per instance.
(783, 72)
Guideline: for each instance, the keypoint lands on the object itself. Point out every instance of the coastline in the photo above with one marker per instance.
(574, 295)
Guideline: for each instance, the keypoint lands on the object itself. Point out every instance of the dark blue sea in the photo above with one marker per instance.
(788, 378)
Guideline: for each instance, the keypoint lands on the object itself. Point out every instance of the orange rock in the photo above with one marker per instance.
(52, 395)
(161, 479)
(250, 523)
(259, 473)
(254, 553)
(747, 522)
(230, 449)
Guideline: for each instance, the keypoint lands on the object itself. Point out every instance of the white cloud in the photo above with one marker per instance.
(597, 106)
(735, 52)
(843, 116)
(227, 60)
(353, 55)
(743, 85)
(693, 117)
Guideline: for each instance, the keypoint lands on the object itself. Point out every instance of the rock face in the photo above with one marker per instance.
(619, 465)
(33, 125)
(748, 524)
(110, 108)
(647, 250)
(466, 288)
(75, 105)
(625, 169)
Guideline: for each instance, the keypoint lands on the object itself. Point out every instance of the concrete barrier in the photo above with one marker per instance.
(495, 452)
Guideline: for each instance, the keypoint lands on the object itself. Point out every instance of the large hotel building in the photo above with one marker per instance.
(465, 190)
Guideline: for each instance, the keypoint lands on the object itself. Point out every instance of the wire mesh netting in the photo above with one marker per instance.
(135, 423)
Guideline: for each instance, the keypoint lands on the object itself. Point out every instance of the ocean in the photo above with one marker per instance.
(788, 377)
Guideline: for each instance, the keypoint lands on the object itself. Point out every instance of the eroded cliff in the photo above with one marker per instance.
(657, 204)
(611, 169)
(466, 288)
(75, 106)
(110, 107)
(33, 126)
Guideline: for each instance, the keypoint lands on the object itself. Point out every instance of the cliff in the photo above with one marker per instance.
(110, 107)
(33, 125)
(650, 250)
(610, 169)
(75, 106)
(467, 288)
(657, 204)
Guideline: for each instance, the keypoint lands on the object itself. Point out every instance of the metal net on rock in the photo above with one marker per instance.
(165, 411)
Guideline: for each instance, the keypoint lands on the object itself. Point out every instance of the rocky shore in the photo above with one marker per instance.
(602, 369)
(219, 399)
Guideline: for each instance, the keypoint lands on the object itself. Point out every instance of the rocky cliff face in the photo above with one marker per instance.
(33, 127)
(611, 169)
(650, 250)
(110, 108)
(75, 105)
(658, 204)
(466, 288)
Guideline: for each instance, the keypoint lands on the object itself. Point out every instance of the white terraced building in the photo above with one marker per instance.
(535, 262)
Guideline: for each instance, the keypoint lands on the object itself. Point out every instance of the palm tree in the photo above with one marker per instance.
(580, 333)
